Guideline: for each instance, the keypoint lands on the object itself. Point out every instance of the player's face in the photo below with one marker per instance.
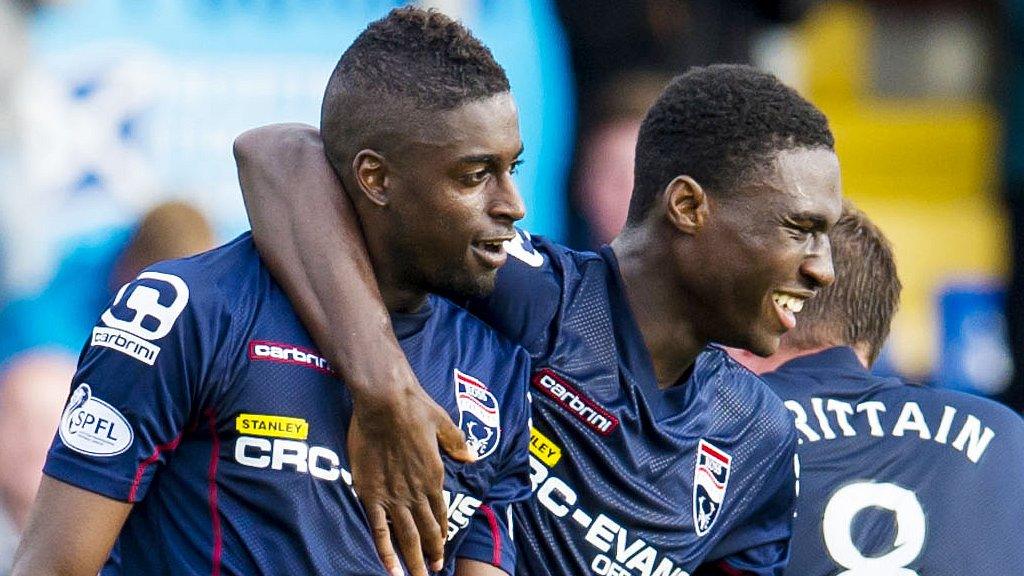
(770, 248)
(455, 198)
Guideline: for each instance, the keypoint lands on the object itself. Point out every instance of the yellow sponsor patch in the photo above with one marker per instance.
(273, 426)
(544, 449)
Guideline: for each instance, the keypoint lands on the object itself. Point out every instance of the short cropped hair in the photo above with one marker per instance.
(719, 125)
(859, 307)
(410, 60)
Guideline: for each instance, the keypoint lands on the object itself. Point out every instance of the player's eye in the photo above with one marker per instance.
(475, 178)
(800, 232)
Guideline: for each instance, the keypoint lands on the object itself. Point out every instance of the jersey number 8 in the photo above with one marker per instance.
(837, 524)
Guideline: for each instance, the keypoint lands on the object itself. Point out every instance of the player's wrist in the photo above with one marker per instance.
(384, 389)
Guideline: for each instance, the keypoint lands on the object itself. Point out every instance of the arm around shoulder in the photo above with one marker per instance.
(308, 235)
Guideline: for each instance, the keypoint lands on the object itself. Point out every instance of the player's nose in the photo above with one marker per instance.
(817, 265)
(506, 203)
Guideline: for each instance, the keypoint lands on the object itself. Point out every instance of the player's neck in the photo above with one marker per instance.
(398, 295)
(666, 328)
(399, 301)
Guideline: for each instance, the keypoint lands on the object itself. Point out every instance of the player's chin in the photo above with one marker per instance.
(763, 343)
(485, 282)
(476, 284)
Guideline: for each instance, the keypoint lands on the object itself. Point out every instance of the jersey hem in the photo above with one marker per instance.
(70, 471)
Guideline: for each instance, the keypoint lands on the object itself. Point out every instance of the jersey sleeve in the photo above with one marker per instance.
(137, 388)
(489, 534)
(760, 545)
(526, 295)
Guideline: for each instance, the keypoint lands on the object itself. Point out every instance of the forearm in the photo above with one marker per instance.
(56, 543)
(308, 234)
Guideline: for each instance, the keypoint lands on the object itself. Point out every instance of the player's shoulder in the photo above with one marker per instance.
(213, 279)
(545, 255)
(207, 298)
(743, 397)
(528, 291)
(989, 411)
(215, 266)
(473, 337)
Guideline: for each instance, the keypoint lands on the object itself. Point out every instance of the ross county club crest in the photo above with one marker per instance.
(478, 415)
(710, 478)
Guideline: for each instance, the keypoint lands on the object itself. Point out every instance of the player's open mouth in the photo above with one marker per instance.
(490, 252)
(787, 306)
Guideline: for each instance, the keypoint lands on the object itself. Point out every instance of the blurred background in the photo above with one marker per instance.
(117, 117)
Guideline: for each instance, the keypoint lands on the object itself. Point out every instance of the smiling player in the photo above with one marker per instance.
(648, 457)
(204, 435)
(895, 479)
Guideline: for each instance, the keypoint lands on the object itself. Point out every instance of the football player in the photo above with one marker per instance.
(648, 456)
(205, 434)
(894, 478)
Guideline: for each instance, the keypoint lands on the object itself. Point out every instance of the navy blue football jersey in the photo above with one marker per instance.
(898, 479)
(630, 479)
(200, 398)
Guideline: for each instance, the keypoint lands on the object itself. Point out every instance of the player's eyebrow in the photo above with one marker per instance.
(489, 158)
(810, 220)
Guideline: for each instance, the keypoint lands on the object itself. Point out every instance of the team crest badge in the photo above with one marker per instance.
(710, 478)
(478, 415)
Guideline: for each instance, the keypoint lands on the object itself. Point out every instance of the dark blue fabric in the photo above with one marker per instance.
(885, 458)
(621, 498)
(202, 460)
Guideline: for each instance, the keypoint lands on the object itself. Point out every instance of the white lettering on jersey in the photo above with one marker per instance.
(837, 526)
(972, 438)
(323, 463)
(149, 319)
(92, 427)
(617, 553)
(971, 433)
(800, 420)
(911, 419)
(288, 354)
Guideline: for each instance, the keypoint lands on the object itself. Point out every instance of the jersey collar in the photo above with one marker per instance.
(839, 358)
(407, 324)
(839, 367)
(638, 364)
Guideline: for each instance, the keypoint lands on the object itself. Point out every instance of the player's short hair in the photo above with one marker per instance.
(719, 125)
(411, 60)
(858, 308)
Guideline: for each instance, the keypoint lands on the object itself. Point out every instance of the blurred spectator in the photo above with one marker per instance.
(616, 44)
(605, 167)
(62, 314)
(33, 388)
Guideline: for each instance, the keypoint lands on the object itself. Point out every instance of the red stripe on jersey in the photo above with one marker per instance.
(495, 535)
(469, 379)
(715, 453)
(218, 544)
(133, 491)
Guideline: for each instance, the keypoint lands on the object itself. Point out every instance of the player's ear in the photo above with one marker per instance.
(686, 204)
(370, 170)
